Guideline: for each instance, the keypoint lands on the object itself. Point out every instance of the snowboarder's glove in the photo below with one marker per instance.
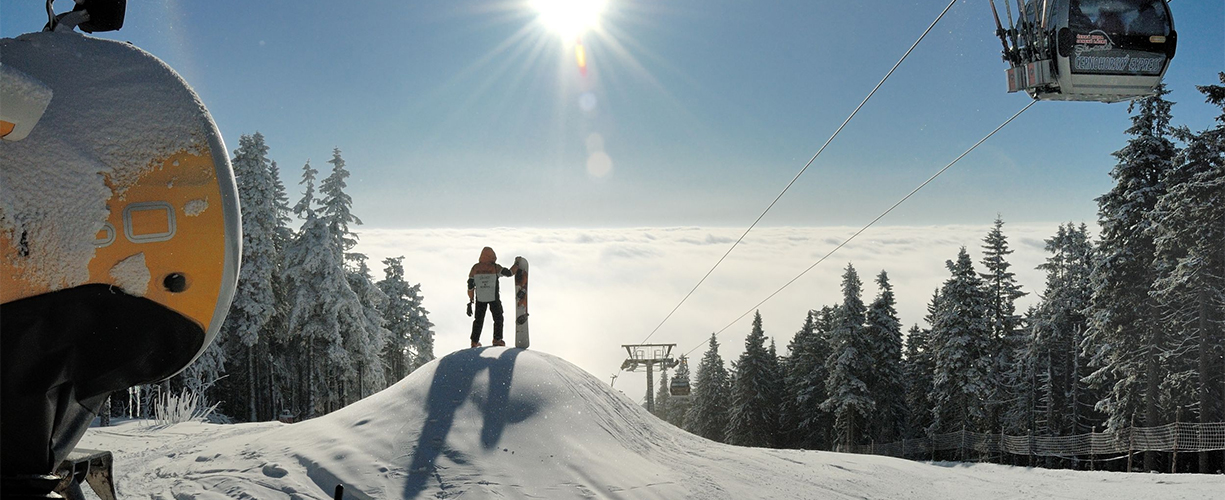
(469, 309)
(506, 272)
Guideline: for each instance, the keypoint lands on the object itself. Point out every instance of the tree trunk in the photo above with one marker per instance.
(251, 384)
(1206, 402)
(1152, 415)
(310, 382)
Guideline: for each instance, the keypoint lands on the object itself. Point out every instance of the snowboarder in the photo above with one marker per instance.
(483, 289)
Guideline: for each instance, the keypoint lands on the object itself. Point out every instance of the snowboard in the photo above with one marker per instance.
(520, 270)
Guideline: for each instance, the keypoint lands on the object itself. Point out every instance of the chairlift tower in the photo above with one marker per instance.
(649, 355)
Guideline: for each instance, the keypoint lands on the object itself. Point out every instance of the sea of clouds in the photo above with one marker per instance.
(593, 290)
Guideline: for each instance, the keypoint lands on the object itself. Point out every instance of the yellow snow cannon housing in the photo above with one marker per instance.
(177, 210)
(165, 219)
(120, 239)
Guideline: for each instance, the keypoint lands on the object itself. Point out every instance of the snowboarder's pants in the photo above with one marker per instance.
(478, 321)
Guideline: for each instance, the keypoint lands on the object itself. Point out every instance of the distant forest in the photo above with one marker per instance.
(1129, 330)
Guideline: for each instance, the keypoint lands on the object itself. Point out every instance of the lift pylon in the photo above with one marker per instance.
(649, 355)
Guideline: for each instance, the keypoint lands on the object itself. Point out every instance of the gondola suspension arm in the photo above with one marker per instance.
(999, 30)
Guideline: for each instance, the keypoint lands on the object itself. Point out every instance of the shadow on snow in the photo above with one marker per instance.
(451, 387)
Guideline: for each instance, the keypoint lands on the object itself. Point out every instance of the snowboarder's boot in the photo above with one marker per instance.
(499, 343)
(475, 344)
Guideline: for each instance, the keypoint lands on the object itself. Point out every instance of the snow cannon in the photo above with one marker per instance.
(120, 238)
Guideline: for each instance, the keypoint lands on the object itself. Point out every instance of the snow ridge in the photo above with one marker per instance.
(512, 423)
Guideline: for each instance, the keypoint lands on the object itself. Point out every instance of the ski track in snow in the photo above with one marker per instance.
(508, 423)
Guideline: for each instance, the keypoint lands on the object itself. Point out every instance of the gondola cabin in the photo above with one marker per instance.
(1087, 50)
(679, 388)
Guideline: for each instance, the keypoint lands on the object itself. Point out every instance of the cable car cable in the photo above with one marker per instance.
(802, 170)
(874, 221)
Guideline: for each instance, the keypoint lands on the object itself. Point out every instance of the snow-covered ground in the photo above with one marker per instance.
(510, 423)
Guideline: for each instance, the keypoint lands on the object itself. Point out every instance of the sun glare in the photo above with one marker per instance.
(570, 18)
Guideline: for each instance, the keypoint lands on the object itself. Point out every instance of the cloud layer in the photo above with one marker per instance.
(596, 289)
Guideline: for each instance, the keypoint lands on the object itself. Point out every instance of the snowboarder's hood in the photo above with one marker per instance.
(487, 256)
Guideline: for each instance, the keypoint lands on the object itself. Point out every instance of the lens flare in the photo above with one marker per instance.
(580, 57)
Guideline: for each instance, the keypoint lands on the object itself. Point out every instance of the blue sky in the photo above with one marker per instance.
(471, 114)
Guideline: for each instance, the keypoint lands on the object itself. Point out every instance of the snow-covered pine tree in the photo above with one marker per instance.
(777, 389)
(849, 364)
(795, 367)
(1003, 290)
(282, 371)
(322, 306)
(1124, 327)
(421, 330)
(1189, 233)
(1021, 379)
(917, 368)
(961, 344)
(1054, 346)
(397, 358)
(883, 330)
(707, 416)
(367, 350)
(336, 211)
(254, 302)
(804, 424)
(753, 417)
(663, 396)
(305, 208)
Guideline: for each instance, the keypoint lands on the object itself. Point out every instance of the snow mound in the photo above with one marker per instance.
(512, 423)
(490, 421)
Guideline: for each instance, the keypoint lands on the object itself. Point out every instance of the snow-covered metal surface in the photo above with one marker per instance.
(119, 122)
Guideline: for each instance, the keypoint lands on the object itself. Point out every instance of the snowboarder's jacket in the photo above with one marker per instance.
(483, 279)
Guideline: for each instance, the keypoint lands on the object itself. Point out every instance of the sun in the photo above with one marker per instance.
(570, 18)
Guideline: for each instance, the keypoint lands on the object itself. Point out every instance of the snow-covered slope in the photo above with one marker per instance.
(510, 423)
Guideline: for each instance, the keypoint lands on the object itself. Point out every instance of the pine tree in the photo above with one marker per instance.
(777, 388)
(849, 365)
(753, 417)
(1189, 235)
(305, 208)
(1020, 416)
(961, 343)
(883, 331)
(421, 330)
(795, 367)
(803, 424)
(367, 346)
(1125, 334)
(707, 416)
(917, 369)
(336, 211)
(322, 306)
(663, 396)
(1057, 328)
(1003, 291)
(397, 356)
(254, 302)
